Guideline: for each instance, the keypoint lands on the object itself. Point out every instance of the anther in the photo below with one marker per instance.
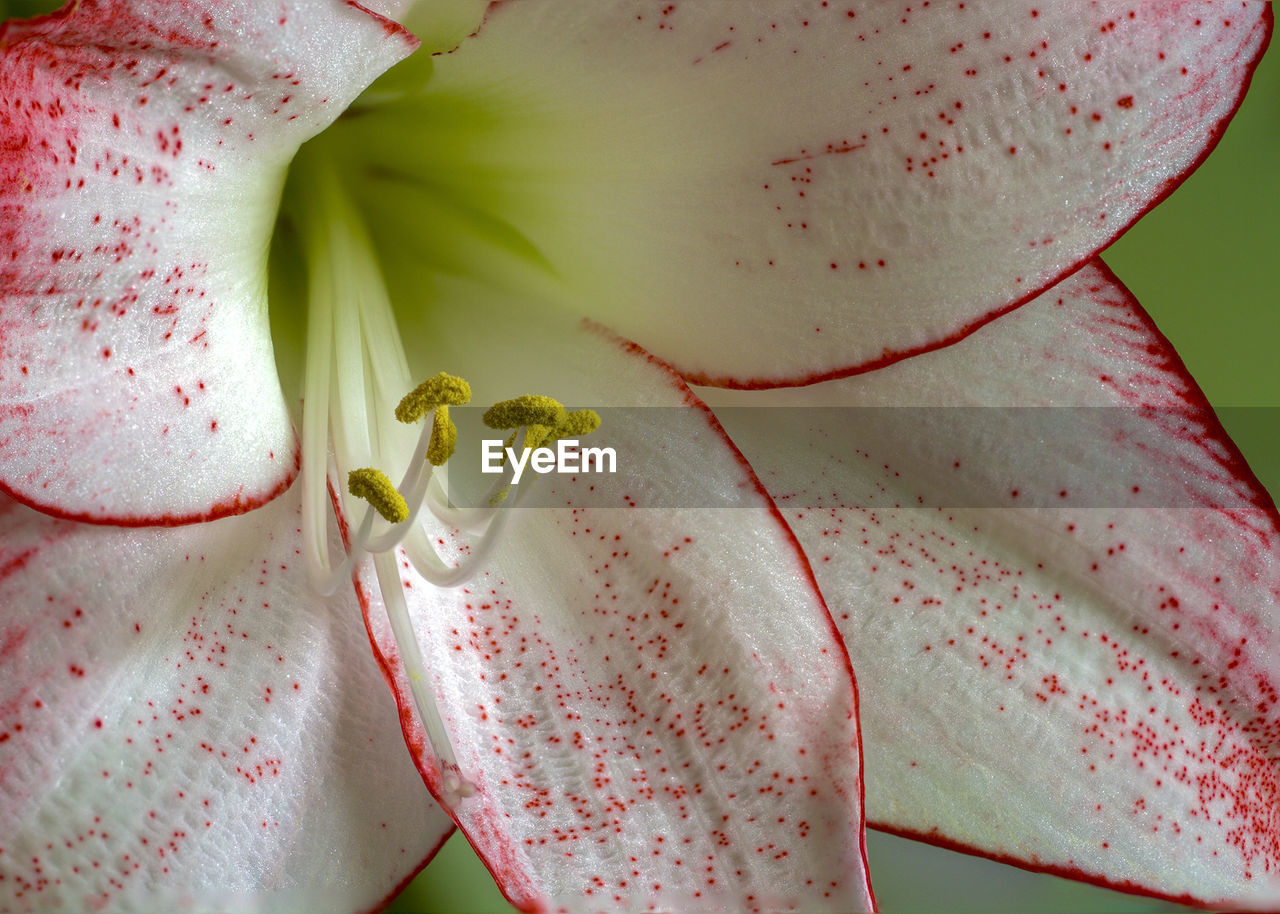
(530, 409)
(374, 487)
(444, 437)
(441, 390)
(577, 424)
(535, 435)
(571, 425)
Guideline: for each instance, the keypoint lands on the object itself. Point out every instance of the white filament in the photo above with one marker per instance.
(455, 786)
(315, 399)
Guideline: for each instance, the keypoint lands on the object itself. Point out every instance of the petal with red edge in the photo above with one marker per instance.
(1088, 689)
(145, 144)
(183, 727)
(439, 24)
(896, 177)
(653, 702)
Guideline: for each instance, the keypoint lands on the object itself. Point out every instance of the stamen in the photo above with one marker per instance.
(469, 520)
(534, 435)
(316, 392)
(444, 437)
(427, 562)
(577, 424)
(438, 394)
(354, 355)
(511, 413)
(400, 505)
(441, 390)
(411, 492)
(527, 410)
(544, 420)
(374, 487)
(454, 786)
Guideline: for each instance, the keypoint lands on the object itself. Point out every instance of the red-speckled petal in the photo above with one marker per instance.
(144, 145)
(184, 728)
(868, 180)
(1088, 686)
(653, 701)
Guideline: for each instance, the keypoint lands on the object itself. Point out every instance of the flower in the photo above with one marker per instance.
(652, 706)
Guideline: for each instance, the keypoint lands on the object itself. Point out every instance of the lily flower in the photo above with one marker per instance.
(623, 707)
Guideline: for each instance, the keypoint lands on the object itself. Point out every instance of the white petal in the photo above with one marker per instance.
(145, 145)
(652, 701)
(1088, 689)
(184, 727)
(864, 179)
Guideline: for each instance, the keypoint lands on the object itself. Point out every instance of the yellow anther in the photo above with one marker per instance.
(442, 390)
(444, 437)
(526, 410)
(573, 425)
(576, 424)
(374, 487)
(535, 435)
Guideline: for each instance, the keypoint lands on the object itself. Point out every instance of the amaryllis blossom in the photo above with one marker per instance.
(642, 700)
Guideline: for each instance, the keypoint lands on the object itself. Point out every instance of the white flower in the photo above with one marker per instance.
(646, 706)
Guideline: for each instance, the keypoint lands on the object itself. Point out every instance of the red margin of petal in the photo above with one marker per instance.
(1066, 872)
(228, 507)
(413, 874)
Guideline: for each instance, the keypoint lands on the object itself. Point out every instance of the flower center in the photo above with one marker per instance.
(354, 373)
(355, 364)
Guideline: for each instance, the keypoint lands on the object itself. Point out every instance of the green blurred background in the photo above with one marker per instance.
(1204, 264)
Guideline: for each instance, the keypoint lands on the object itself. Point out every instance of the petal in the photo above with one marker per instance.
(653, 702)
(439, 24)
(866, 181)
(144, 148)
(182, 727)
(1088, 689)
